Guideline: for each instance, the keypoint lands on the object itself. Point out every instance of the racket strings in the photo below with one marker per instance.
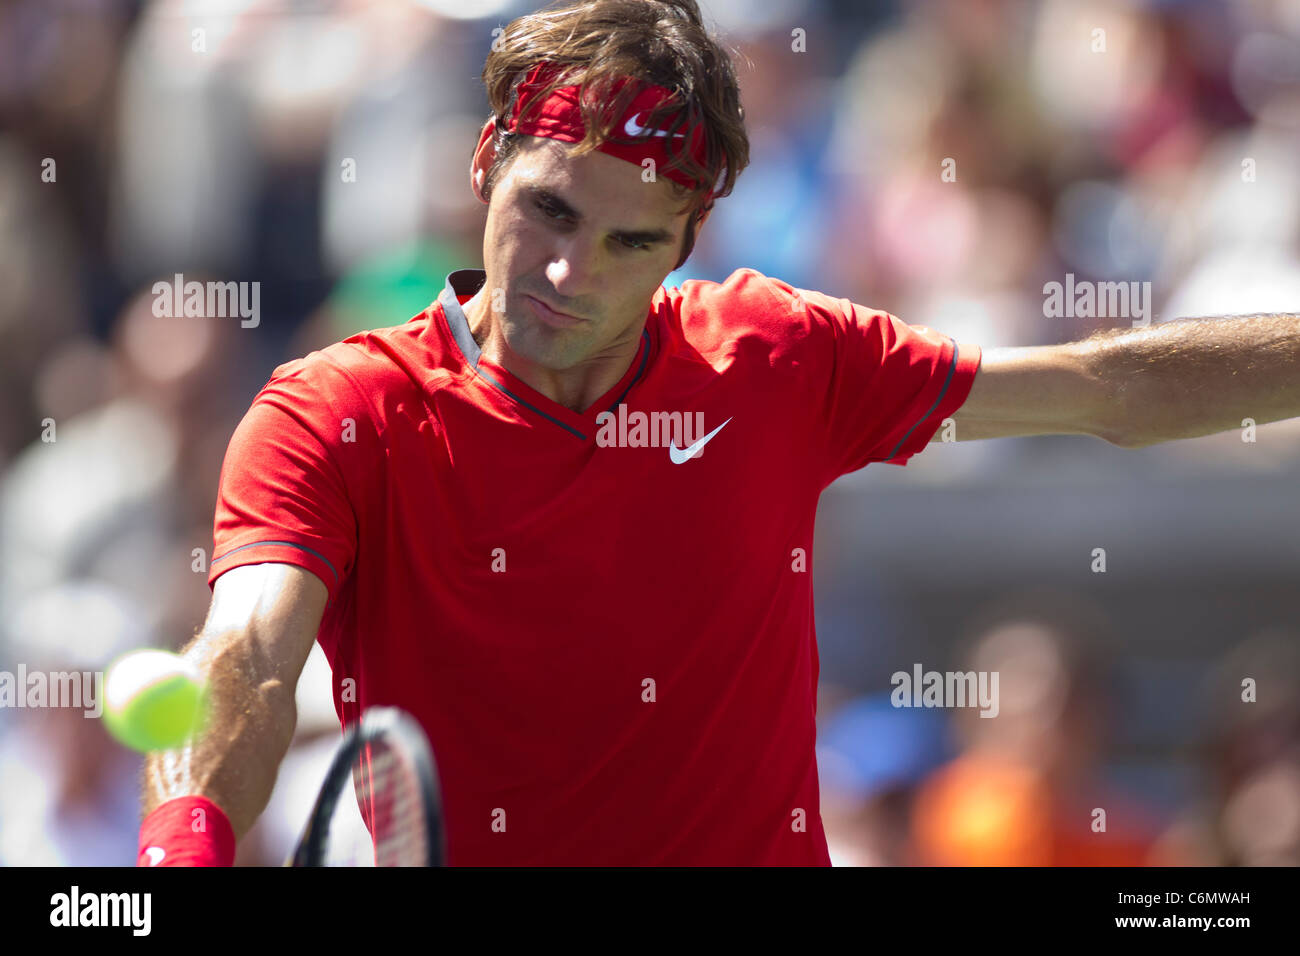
(394, 815)
(389, 796)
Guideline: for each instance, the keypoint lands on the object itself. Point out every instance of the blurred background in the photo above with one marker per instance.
(1172, 155)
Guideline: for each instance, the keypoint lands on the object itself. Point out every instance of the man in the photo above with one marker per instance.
(564, 516)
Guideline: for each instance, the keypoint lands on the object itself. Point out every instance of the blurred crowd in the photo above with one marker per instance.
(143, 139)
(1031, 787)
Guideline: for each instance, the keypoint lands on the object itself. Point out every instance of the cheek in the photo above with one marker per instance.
(506, 242)
(518, 233)
(646, 276)
(633, 295)
(504, 220)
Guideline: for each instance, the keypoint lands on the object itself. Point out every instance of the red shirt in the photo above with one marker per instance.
(613, 653)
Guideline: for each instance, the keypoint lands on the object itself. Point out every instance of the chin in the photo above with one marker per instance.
(554, 349)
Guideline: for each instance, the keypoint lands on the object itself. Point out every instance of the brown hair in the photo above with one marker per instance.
(662, 42)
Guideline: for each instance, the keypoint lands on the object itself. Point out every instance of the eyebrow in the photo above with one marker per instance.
(646, 236)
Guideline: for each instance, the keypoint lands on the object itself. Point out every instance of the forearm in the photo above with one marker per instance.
(1196, 377)
(250, 723)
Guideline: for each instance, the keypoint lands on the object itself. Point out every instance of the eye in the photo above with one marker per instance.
(549, 209)
(634, 244)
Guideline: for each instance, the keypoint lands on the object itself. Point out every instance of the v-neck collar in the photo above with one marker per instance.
(582, 425)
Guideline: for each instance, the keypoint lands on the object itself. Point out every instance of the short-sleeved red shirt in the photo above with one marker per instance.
(612, 650)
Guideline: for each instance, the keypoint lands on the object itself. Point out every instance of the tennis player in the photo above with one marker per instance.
(564, 516)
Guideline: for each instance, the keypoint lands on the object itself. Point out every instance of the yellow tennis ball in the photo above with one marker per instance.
(153, 700)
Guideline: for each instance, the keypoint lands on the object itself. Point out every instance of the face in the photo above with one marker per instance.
(582, 234)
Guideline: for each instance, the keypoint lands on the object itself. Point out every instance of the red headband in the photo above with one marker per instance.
(559, 117)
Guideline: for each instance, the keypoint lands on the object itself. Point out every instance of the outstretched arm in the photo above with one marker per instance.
(260, 629)
(1139, 387)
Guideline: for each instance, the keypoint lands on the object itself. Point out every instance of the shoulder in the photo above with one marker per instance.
(751, 305)
(745, 295)
(360, 374)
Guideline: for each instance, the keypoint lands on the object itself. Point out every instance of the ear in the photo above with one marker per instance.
(484, 155)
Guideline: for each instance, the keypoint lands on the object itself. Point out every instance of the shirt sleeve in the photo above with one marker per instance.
(883, 387)
(282, 496)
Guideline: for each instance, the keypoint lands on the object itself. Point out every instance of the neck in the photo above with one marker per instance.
(576, 388)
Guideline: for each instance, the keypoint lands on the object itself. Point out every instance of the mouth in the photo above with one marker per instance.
(549, 316)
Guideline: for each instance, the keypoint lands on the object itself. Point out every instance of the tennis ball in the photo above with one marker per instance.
(153, 700)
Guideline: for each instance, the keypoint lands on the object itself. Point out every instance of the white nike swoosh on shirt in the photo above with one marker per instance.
(155, 854)
(679, 455)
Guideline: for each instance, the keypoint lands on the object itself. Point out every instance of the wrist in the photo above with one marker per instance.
(187, 831)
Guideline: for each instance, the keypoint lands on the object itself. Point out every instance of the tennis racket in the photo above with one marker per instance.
(387, 759)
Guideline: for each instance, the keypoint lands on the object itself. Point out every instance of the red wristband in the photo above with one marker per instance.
(187, 831)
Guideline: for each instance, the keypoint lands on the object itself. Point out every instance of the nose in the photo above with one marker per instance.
(573, 267)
